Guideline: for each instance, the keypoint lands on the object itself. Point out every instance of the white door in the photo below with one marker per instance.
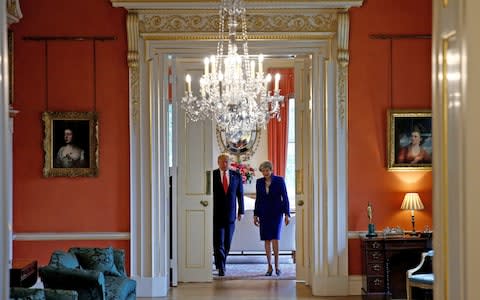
(302, 165)
(194, 200)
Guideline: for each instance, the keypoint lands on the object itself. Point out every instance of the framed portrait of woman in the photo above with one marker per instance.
(409, 140)
(70, 144)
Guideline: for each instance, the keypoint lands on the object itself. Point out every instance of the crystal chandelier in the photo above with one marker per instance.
(233, 89)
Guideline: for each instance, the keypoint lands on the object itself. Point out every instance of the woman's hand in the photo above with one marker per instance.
(256, 221)
(287, 220)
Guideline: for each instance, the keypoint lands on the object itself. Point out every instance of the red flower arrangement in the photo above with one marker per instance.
(246, 171)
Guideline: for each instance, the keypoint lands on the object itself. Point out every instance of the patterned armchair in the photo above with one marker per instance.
(95, 273)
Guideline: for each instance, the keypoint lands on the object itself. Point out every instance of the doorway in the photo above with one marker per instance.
(193, 224)
(320, 166)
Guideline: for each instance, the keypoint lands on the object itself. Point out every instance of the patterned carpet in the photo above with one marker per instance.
(241, 267)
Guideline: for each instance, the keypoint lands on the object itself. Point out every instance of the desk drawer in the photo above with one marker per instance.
(373, 245)
(376, 269)
(375, 256)
(375, 284)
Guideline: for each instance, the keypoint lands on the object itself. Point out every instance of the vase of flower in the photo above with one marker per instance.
(246, 171)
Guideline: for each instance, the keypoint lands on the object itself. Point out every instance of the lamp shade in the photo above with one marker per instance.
(412, 201)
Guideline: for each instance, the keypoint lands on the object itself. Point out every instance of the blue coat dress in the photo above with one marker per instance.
(270, 207)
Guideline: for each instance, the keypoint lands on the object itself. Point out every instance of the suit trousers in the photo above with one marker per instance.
(222, 239)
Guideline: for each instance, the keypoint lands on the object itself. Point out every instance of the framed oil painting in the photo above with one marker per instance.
(409, 139)
(70, 144)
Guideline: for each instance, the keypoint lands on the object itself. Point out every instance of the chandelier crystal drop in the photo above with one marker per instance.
(233, 89)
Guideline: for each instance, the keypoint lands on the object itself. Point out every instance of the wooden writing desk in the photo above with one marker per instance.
(385, 262)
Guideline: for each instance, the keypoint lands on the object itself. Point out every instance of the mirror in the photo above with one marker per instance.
(242, 145)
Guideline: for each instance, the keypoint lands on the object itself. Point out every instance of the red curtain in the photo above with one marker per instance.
(278, 130)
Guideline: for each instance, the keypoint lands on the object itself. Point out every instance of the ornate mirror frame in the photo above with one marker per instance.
(244, 148)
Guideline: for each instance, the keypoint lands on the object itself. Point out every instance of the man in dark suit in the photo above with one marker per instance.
(227, 190)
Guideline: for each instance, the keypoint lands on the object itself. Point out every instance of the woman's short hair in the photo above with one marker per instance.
(266, 165)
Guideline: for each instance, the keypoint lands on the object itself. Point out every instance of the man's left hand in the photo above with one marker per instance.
(239, 217)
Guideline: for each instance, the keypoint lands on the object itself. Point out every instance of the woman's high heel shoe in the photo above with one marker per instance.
(278, 272)
(269, 272)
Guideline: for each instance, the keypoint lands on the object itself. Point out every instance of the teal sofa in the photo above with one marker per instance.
(95, 273)
(20, 293)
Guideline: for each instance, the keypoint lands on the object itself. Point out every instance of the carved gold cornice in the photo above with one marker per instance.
(342, 59)
(207, 21)
(199, 36)
(133, 35)
(14, 14)
(135, 94)
(133, 64)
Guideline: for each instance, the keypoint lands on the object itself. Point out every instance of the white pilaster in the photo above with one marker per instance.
(5, 159)
(149, 168)
(330, 238)
(455, 111)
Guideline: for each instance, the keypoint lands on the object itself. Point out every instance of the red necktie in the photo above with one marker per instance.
(225, 182)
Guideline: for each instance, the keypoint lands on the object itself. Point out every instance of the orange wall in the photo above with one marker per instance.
(62, 204)
(370, 88)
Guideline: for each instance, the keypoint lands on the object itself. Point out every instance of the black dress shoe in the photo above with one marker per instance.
(278, 272)
(221, 272)
(269, 272)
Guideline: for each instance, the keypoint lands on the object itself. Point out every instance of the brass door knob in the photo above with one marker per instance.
(300, 202)
(204, 203)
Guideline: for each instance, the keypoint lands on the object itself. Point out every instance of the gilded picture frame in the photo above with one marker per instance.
(70, 144)
(409, 140)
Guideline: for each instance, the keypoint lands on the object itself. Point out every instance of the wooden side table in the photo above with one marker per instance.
(23, 273)
(385, 262)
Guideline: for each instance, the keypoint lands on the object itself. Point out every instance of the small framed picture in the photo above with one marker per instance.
(409, 140)
(70, 144)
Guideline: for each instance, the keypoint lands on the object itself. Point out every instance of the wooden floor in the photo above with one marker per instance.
(245, 290)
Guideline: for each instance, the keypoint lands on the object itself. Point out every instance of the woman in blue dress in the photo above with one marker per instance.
(271, 205)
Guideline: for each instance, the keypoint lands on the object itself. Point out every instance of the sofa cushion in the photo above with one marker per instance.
(119, 287)
(51, 294)
(99, 259)
(119, 260)
(18, 293)
(62, 259)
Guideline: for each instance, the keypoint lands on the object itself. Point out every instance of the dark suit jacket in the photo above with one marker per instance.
(225, 205)
(275, 203)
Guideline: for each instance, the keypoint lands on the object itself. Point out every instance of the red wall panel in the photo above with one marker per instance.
(62, 76)
(385, 76)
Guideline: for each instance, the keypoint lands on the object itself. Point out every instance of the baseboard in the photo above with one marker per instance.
(149, 287)
(355, 285)
(330, 285)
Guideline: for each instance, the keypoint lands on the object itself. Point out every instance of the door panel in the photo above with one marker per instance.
(302, 159)
(195, 213)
